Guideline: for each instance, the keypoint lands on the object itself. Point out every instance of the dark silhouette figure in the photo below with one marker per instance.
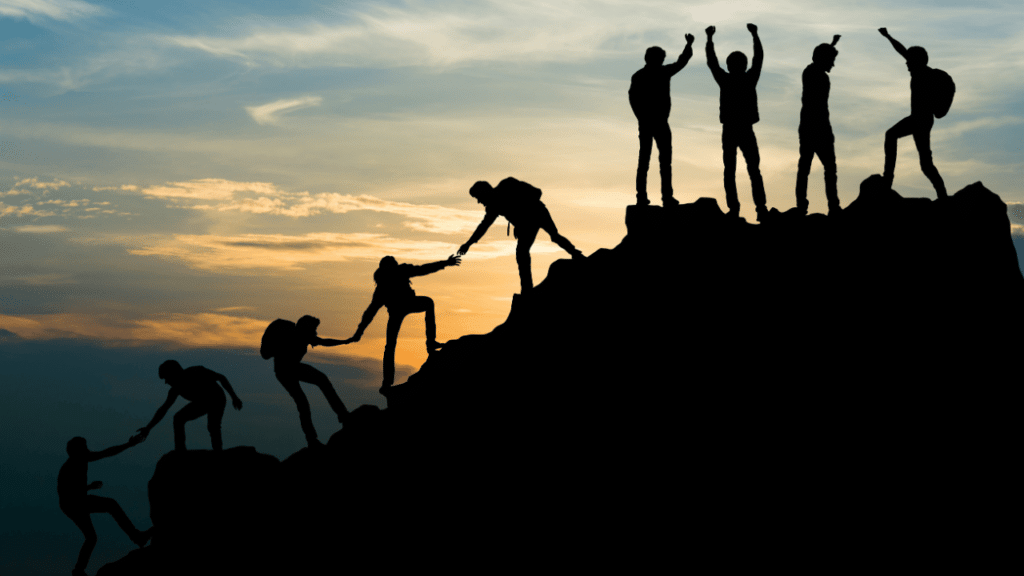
(78, 505)
(292, 345)
(394, 290)
(815, 130)
(919, 123)
(738, 114)
(650, 99)
(199, 386)
(520, 204)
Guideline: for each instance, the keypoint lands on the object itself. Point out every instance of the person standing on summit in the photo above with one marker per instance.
(738, 114)
(923, 89)
(815, 130)
(651, 102)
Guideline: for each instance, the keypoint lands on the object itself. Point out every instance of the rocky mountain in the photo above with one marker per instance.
(808, 391)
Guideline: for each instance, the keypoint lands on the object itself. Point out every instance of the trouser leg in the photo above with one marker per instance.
(191, 411)
(291, 385)
(213, 423)
(84, 523)
(827, 155)
(394, 325)
(526, 238)
(317, 378)
(729, 175)
(902, 128)
(803, 169)
(110, 506)
(748, 144)
(922, 138)
(643, 162)
(663, 136)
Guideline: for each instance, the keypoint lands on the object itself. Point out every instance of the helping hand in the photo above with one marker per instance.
(453, 260)
(463, 249)
(237, 403)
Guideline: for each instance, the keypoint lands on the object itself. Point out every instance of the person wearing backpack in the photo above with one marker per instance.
(651, 102)
(930, 97)
(287, 343)
(394, 290)
(520, 204)
(199, 386)
(815, 130)
(78, 505)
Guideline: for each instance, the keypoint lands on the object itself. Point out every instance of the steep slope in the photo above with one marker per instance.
(707, 391)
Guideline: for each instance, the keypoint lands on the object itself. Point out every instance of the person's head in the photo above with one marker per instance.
(736, 63)
(654, 56)
(481, 191)
(77, 446)
(307, 324)
(388, 262)
(169, 370)
(917, 57)
(825, 56)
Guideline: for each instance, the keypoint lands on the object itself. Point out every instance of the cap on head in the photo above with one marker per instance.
(736, 62)
(169, 369)
(917, 56)
(824, 54)
(654, 55)
(76, 445)
(480, 188)
(307, 322)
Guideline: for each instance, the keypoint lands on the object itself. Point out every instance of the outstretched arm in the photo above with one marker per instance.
(684, 58)
(709, 49)
(435, 266)
(235, 401)
(895, 44)
(489, 219)
(371, 311)
(160, 412)
(755, 64)
(112, 451)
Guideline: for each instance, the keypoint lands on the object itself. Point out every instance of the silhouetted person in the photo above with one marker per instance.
(199, 386)
(394, 291)
(72, 489)
(919, 123)
(290, 370)
(520, 204)
(815, 130)
(651, 102)
(737, 112)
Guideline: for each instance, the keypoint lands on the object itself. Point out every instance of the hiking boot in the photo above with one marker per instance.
(577, 255)
(834, 210)
(141, 537)
(642, 201)
(670, 201)
(433, 346)
(762, 214)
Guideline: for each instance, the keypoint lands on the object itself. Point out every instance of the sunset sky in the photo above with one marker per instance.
(174, 175)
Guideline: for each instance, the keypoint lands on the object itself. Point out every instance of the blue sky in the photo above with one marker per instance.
(175, 175)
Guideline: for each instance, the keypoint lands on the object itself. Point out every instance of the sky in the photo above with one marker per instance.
(175, 175)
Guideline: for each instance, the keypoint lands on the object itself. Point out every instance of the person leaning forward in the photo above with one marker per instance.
(520, 204)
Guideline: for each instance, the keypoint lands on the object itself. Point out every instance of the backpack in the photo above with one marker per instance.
(279, 332)
(516, 195)
(942, 89)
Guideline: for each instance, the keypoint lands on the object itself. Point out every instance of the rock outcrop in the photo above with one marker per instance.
(811, 389)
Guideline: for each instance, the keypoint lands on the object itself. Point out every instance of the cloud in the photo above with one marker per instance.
(35, 183)
(64, 10)
(45, 229)
(208, 189)
(268, 113)
(20, 211)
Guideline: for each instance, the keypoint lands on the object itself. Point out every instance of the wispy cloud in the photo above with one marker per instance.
(41, 229)
(35, 10)
(209, 189)
(268, 113)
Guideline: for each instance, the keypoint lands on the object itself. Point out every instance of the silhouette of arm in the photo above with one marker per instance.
(235, 400)
(684, 58)
(489, 219)
(371, 311)
(160, 412)
(755, 64)
(895, 44)
(709, 49)
(112, 451)
(318, 341)
(94, 486)
(434, 266)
